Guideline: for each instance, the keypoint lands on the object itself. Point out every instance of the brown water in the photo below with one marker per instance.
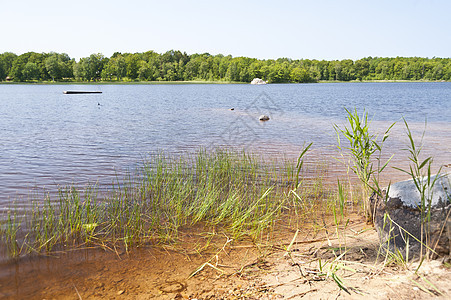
(144, 273)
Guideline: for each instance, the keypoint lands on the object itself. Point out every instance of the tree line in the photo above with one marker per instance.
(179, 66)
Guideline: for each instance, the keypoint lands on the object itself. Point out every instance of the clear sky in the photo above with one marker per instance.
(263, 29)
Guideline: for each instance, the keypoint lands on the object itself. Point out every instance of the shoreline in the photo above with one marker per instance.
(287, 267)
(205, 82)
(119, 82)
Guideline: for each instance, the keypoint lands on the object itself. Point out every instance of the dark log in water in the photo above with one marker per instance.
(82, 92)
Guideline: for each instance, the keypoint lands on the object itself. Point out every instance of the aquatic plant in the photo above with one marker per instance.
(237, 192)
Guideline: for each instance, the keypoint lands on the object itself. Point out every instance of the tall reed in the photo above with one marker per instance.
(420, 170)
(364, 148)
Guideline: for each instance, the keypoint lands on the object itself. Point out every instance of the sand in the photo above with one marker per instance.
(229, 269)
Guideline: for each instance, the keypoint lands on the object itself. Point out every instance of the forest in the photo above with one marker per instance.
(180, 66)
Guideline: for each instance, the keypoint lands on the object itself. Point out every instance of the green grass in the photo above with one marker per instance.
(236, 192)
(365, 152)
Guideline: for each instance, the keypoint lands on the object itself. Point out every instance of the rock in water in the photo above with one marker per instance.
(263, 118)
(402, 230)
(258, 81)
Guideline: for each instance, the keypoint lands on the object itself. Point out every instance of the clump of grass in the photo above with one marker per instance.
(10, 231)
(420, 170)
(237, 192)
(364, 148)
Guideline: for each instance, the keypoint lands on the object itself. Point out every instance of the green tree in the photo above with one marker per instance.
(90, 68)
(18, 66)
(54, 66)
(204, 68)
(108, 71)
(224, 66)
(132, 63)
(447, 71)
(300, 75)
(399, 69)
(115, 67)
(362, 69)
(6, 62)
(382, 70)
(39, 60)
(437, 71)
(175, 65)
(233, 72)
(78, 70)
(345, 71)
(144, 72)
(120, 66)
(30, 71)
(279, 72)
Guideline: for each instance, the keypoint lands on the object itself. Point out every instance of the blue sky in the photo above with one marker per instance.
(262, 29)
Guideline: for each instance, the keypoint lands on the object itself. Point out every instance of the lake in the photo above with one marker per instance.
(50, 139)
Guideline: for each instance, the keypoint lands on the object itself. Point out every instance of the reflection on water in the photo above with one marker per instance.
(50, 139)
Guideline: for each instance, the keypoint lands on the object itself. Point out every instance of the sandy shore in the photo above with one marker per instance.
(226, 269)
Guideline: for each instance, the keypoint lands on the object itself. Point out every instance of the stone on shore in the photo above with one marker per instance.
(402, 230)
(258, 81)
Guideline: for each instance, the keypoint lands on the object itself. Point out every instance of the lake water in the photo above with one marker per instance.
(49, 139)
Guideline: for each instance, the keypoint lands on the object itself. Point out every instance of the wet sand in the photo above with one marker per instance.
(237, 270)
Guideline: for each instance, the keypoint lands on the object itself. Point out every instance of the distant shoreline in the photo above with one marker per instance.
(198, 82)
(120, 82)
(384, 80)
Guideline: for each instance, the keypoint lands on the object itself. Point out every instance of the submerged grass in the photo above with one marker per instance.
(237, 192)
